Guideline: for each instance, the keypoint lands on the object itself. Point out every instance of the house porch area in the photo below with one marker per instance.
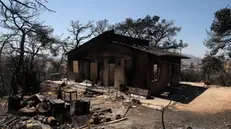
(142, 70)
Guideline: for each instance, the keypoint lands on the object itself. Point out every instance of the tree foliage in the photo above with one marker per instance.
(213, 70)
(219, 36)
(79, 32)
(101, 26)
(212, 64)
(190, 73)
(219, 43)
(160, 33)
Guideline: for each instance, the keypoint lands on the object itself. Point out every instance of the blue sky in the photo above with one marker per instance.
(194, 16)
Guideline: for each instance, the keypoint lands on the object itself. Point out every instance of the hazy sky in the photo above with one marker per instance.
(194, 16)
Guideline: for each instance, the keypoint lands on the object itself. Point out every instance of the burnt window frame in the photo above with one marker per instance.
(156, 73)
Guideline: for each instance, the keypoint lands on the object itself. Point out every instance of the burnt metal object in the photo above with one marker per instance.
(48, 120)
(79, 107)
(44, 107)
(13, 103)
(70, 92)
(58, 109)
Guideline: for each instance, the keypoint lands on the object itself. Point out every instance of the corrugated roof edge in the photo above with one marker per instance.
(153, 50)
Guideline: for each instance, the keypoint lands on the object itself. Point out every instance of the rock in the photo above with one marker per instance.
(107, 110)
(189, 127)
(159, 108)
(102, 116)
(228, 126)
(134, 106)
(96, 120)
(118, 116)
(32, 126)
(121, 97)
(136, 101)
(107, 119)
(91, 121)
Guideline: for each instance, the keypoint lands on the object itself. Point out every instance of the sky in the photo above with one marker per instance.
(194, 16)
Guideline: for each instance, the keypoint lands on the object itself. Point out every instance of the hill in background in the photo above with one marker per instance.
(195, 60)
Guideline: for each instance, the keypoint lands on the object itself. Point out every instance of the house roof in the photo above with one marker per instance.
(133, 43)
(156, 51)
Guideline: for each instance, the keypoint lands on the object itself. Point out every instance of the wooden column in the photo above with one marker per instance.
(119, 72)
(122, 70)
(105, 71)
(69, 69)
(93, 71)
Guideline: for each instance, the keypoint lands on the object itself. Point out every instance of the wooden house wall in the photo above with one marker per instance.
(138, 69)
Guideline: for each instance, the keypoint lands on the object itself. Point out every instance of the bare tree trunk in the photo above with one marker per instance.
(2, 78)
(21, 62)
(162, 118)
(17, 71)
(162, 113)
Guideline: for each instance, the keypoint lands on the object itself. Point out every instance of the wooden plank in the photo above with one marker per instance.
(116, 121)
(75, 66)
(94, 71)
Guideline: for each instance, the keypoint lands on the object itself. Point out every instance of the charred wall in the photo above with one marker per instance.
(136, 71)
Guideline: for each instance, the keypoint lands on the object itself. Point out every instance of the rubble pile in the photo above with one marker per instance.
(91, 93)
(26, 122)
(48, 111)
(35, 112)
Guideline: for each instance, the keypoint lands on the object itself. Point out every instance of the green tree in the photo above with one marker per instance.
(211, 65)
(219, 43)
(219, 36)
(190, 73)
(213, 70)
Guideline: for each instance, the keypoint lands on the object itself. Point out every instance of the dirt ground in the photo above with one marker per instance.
(141, 117)
(147, 118)
(214, 99)
(206, 107)
(203, 108)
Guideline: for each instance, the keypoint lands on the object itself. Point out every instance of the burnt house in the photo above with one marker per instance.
(115, 59)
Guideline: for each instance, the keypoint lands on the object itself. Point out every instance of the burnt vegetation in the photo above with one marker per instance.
(27, 42)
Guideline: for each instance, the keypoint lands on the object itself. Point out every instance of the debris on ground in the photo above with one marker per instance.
(136, 101)
(90, 106)
(91, 93)
(86, 83)
(50, 109)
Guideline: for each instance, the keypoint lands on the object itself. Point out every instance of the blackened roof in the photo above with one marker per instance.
(134, 43)
(154, 51)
